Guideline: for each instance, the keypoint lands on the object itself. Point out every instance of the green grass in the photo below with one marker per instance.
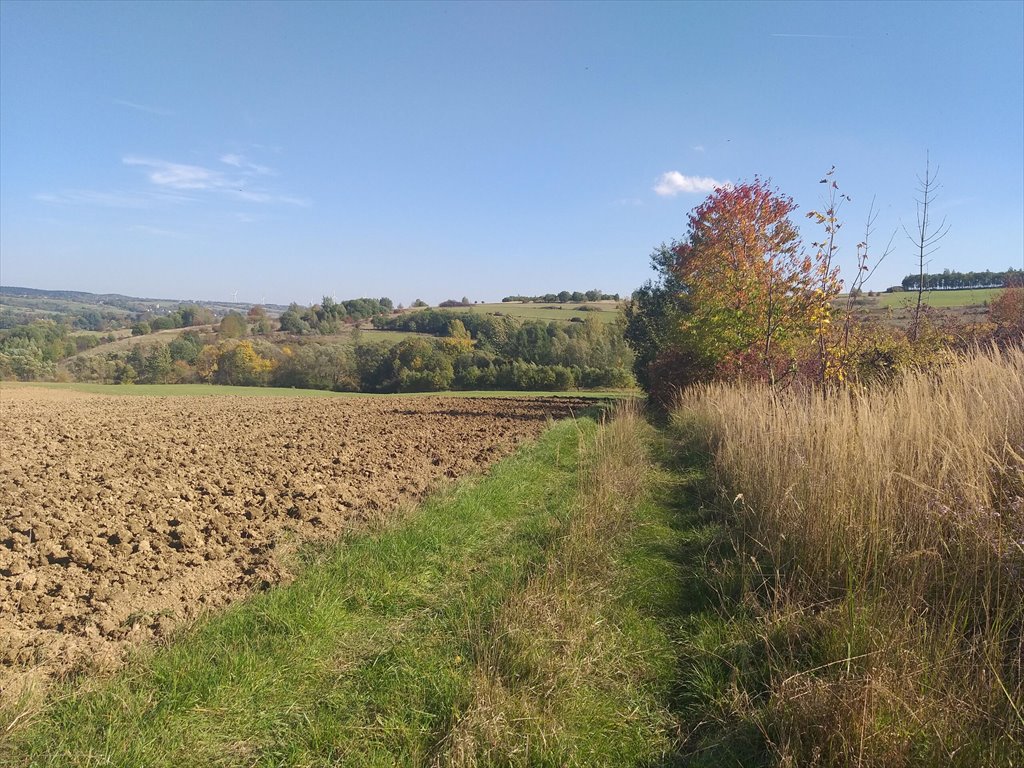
(940, 299)
(604, 311)
(220, 390)
(518, 619)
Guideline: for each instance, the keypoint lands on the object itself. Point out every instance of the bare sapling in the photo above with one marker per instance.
(865, 270)
(925, 236)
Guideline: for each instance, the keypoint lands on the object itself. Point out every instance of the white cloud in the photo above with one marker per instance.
(179, 175)
(698, 148)
(237, 185)
(180, 183)
(672, 183)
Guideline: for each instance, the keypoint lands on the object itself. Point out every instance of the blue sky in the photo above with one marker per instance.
(435, 150)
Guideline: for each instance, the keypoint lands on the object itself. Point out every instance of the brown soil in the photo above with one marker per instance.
(121, 517)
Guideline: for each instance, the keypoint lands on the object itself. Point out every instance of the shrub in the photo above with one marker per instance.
(233, 326)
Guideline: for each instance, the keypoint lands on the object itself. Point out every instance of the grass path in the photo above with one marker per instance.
(524, 618)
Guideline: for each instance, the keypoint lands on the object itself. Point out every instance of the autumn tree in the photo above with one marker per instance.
(256, 311)
(241, 364)
(748, 280)
(417, 365)
(1007, 313)
(742, 293)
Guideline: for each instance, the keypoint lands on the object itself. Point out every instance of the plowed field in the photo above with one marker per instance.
(122, 517)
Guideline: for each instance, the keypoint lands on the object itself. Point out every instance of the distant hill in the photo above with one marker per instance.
(80, 296)
(57, 301)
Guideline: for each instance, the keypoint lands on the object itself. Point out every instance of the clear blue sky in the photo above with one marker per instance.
(437, 150)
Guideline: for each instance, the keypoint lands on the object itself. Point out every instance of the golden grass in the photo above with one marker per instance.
(882, 535)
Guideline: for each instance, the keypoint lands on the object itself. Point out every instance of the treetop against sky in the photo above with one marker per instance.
(430, 150)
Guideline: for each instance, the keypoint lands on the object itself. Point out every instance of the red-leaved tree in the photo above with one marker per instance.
(754, 293)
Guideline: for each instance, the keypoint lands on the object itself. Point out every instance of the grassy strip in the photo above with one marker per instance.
(571, 669)
(518, 620)
(214, 390)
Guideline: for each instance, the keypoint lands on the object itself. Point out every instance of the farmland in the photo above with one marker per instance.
(123, 517)
(977, 297)
(605, 311)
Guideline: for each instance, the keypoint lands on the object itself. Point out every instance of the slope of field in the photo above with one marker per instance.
(605, 311)
(126, 341)
(941, 299)
(45, 307)
(119, 517)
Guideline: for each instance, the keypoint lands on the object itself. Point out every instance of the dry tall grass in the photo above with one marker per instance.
(884, 533)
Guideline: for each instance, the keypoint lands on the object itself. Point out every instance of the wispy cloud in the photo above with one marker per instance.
(179, 175)
(170, 182)
(144, 108)
(697, 148)
(628, 202)
(240, 162)
(237, 185)
(673, 183)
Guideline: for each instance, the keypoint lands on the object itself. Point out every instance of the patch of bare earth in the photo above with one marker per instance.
(122, 517)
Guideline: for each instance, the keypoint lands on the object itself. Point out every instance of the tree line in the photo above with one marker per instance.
(949, 280)
(454, 350)
(564, 297)
(33, 350)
